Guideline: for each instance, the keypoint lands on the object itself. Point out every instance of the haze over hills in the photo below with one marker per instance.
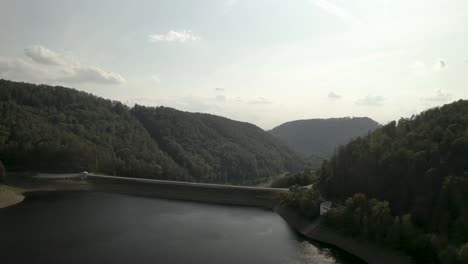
(316, 139)
(57, 129)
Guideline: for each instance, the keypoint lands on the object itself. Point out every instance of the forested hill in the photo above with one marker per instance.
(215, 147)
(56, 129)
(318, 138)
(419, 165)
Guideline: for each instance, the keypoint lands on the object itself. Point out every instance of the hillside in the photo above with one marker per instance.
(217, 148)
(57, 129)
(318, 138)
(420, 166)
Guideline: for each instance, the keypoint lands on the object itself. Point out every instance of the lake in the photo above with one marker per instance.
(95, 227)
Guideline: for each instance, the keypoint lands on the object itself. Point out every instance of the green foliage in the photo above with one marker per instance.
(359, 216)
(316, 139)
(306, 201)
(56, 129)
(303, 178)
(373, 220)
(419, 165)
(214, 148)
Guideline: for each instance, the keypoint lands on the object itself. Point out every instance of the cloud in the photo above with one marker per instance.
(439, 65)
(20, 70)
(337, 11)
(259, 101)
(44, 55)
(49, 66)
(333, 96)
(155, 78)
(174, 36)
(91, 74)
(418, 67)
(220, 98)
(438, 97)
(370, 100)
(230, 3)
(421, 68)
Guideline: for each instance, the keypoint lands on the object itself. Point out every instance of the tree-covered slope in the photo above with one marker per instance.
(419, 165)
(318, 138)
(56, 129)
(217, 148)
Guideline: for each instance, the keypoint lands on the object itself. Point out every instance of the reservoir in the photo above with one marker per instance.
(95, 227)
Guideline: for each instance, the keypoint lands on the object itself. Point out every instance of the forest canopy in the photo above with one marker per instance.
(57, 129)
(419, 165)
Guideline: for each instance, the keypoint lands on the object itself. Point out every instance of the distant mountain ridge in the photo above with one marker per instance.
(318, 138)
(57, 129)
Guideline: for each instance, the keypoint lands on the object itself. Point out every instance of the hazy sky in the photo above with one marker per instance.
(264, 62)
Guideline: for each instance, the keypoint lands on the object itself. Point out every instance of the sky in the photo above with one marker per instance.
(264, 62)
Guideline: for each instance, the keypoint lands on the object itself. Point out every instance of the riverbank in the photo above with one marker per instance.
(314, 230)
(317, 231)
(10, 195)
(15, 193)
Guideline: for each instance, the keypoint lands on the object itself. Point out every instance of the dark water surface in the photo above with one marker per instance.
(93, 227)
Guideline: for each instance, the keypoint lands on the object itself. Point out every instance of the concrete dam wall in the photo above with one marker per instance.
(199, 192)
(188, 191)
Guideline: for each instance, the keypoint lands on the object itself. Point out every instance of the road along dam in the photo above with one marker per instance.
(188, 191)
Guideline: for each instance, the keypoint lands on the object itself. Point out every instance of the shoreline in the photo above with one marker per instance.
(313, 230)
(11, 195)
(8, 199)
(317, 231)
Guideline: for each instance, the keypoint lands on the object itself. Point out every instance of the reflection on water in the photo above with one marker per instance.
(83, 227)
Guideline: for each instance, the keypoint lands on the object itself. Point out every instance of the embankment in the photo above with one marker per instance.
(316, 230)
(219, 194)
(10, 198)
(198, 192)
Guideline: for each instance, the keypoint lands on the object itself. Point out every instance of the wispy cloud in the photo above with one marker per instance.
(20, 70)
(155, 78)
(337, 11)
(48, 65)
(418, 67)
(90, 74)
(334, 96)
(439, 65)
(370, 100)
(174, 36)
(44, 55)
(421, 68)
(259, 101)
(438, 97)
(221, 98)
